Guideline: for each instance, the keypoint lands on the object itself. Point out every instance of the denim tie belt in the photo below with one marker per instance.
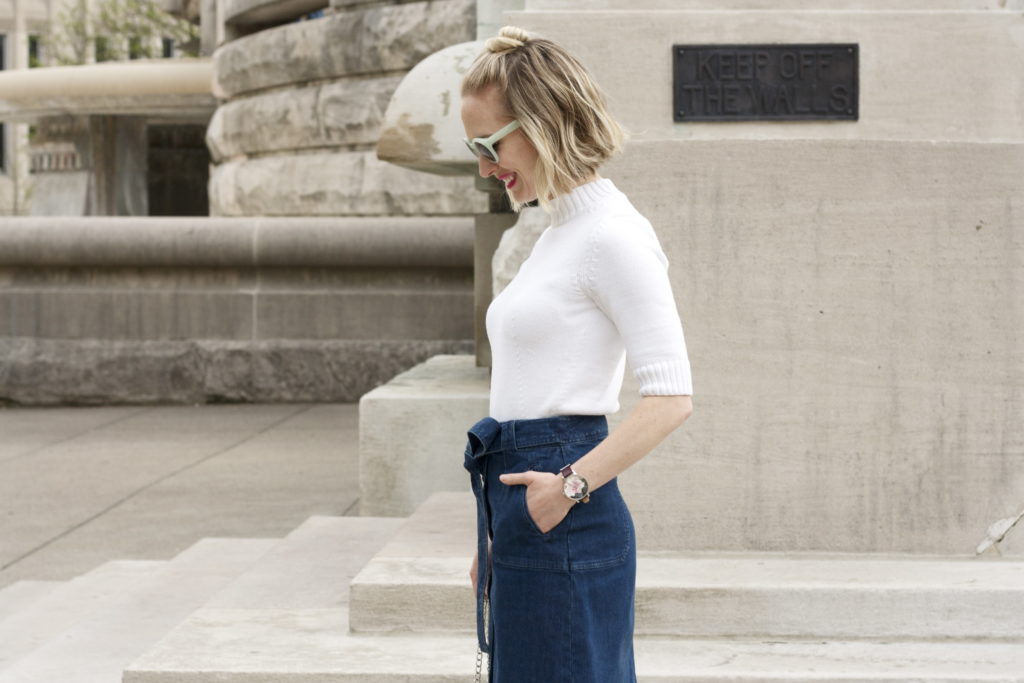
(483, 439)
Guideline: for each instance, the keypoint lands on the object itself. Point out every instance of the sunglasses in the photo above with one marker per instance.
(484, 147)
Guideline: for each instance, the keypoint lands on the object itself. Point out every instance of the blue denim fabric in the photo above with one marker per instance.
(561, 603)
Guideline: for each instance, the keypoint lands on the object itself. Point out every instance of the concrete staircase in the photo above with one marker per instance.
(388, 600)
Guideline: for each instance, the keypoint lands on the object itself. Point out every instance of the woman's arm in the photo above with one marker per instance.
(651, 420)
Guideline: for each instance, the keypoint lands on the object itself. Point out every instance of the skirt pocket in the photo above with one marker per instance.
(600, 533)
(517, 541)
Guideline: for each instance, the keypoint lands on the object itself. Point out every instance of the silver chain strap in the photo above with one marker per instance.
(479, 652)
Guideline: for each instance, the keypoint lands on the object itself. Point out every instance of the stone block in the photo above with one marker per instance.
(57, 313)
(913, 78)
(412, 433)
(346, 112)
(333, 184)
(57, 371)
(363, 41)
(853, 327)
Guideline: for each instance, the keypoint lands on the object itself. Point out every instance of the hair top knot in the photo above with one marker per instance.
(509, 38)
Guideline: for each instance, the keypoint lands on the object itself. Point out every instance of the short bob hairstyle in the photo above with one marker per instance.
(561, 109)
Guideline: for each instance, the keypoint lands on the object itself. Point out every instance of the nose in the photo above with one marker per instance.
(486, 166)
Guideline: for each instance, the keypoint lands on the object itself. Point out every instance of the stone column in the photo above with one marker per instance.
(117, 150)
(207, 27)
(18, 160)
(101, 157)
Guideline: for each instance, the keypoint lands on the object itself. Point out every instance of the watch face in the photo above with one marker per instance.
(575, 487)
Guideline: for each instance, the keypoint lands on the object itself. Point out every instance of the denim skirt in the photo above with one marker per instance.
(561, 602)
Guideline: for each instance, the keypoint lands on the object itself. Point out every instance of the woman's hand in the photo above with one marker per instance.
(545, 501)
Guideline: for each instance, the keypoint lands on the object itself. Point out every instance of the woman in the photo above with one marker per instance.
(554, 533)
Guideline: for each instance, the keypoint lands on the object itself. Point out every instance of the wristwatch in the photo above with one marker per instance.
(574, 486)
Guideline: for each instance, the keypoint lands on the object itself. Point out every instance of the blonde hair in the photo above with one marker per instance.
(561, 109)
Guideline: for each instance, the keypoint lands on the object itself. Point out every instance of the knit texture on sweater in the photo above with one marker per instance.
(593, 292)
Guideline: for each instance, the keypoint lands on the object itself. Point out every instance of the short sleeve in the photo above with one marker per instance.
(625, 272)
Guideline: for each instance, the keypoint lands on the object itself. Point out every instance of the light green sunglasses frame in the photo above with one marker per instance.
(484, 147)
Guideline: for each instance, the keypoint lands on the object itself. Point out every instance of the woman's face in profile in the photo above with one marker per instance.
(483, 114)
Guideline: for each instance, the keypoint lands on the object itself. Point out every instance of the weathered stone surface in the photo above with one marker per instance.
(422, 127)
(346, 112)
(516, 244)
(335, 184)
(47, 372)
(378, 39)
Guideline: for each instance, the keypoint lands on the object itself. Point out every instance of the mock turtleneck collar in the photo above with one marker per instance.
(581, 200)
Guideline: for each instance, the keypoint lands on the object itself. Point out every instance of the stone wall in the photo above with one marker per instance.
(303, 105)
(194, 310)
(850, 291)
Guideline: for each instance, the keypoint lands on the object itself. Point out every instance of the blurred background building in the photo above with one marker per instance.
(276, 206)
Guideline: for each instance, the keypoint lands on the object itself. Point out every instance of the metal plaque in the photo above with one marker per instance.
(800, 82)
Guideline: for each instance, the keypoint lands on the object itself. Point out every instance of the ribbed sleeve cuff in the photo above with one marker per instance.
(669, 378)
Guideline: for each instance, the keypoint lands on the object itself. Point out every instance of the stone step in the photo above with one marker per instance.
(21, 594)
(298, 591)
(312, 567)
(419, 582)
(898, 52)
(255, 646)
(139, 610)
(412, 432)
(69, 604)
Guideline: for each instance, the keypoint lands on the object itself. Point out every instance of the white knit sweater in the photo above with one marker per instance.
(593, 291)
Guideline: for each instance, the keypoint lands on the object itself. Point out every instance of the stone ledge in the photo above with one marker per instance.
(374, 40)
(178, 87)
(240, 242)
(51, 372)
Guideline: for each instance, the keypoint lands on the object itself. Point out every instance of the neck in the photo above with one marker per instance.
(581, 199)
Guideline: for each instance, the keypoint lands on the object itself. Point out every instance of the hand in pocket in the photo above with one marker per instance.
(545, 502)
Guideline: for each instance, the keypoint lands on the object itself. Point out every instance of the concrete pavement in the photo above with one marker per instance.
(80, 486)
